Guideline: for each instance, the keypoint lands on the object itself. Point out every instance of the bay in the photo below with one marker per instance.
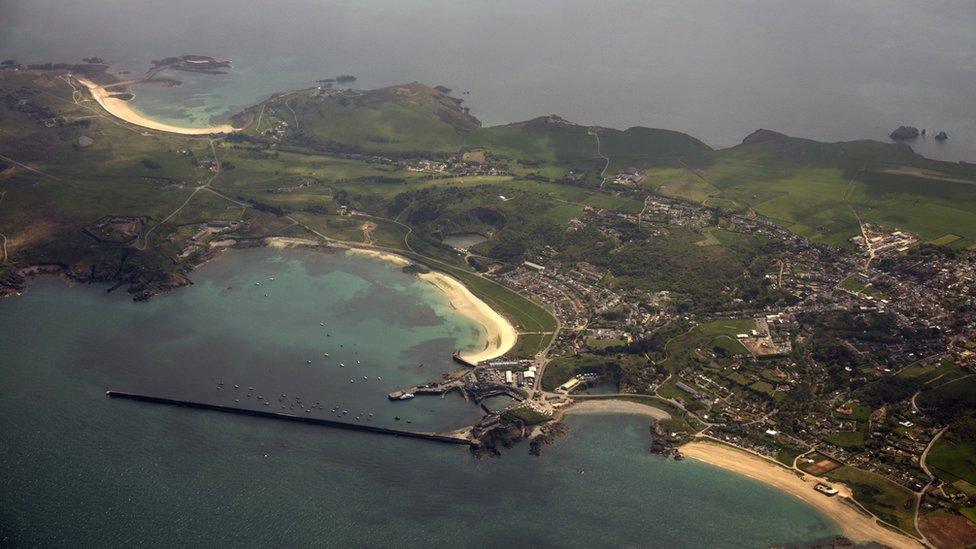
(77, 468)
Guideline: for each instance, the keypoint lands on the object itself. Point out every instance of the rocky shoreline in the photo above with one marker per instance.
(662, 443)
(141, 285)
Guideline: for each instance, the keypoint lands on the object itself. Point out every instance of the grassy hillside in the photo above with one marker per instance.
(543, 139)
(819, 190)
(643, 147)
(411, 117)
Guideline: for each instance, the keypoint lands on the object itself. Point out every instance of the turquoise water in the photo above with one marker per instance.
(77, 468)
(717, 70)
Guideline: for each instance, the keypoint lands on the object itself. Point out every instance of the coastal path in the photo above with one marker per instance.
(28, 168)
(599, 154)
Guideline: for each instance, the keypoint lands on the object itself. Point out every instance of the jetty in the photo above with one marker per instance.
(453, 438)
(456, 355)
(429, 389)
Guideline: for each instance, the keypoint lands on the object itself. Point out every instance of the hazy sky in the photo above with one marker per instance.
(717, 69)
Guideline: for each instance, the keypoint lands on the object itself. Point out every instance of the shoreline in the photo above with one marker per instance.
(854, 524)
(123, 111)
(611, 406)
(501, 336)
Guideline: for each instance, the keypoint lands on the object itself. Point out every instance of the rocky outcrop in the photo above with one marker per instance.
(547, 435)
(662, 443)
(415, 268)
(942, 136)
(904, 133)
(12, 282)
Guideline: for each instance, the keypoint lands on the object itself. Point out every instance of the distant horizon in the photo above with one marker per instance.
(717, 72)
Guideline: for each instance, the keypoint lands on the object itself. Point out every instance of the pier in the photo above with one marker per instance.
(453, 438)
(456, 355)
(429, 389)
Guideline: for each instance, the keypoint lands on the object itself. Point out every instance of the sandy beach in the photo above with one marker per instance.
(379, 254)
(289, 242)
(124, 111)
(499, 332)
(854, 524)
(611, 406)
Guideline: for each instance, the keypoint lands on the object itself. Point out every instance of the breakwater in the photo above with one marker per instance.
(290, 417)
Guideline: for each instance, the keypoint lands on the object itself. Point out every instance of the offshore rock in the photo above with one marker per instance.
(904, 133)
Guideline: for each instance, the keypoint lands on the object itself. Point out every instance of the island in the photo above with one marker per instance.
(905, 133)
(794, 311)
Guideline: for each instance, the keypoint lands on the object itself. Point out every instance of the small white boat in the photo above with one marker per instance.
(407, 396)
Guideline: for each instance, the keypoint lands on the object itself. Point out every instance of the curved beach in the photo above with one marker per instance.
(122, 110)
(856, 525)
(500, 334)
(613, 406)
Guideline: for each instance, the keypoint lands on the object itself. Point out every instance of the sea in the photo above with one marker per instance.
(80, 469)
(830, 70)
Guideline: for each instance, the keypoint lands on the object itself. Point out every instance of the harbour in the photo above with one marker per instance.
(102, 472)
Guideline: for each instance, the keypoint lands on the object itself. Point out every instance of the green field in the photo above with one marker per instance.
(847, 439)
(944, 240)
(952, 458)
(720, 333)
(559, 370)
(889, 501)
(944, 371)
(853, 285)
